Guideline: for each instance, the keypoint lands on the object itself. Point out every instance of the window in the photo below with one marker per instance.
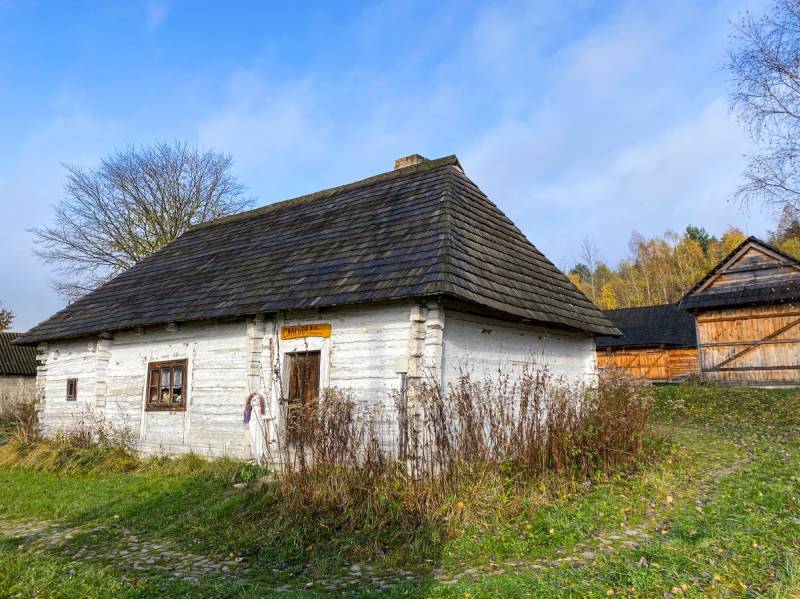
(166, 385)
(303, 369)
(72, 389)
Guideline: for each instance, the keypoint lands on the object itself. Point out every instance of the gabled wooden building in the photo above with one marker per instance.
(658, 343)
(747, 311)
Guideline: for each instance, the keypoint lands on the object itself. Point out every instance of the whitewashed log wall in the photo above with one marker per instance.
(66, 360)
(370, 348)
(485, 348)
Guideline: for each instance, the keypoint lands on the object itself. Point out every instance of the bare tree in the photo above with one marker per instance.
(6, 316)
(764, 64)
(590, 256)
(137, 201)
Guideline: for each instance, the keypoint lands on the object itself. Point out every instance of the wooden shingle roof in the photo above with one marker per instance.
(420, 231)
(753, 273)
(16, 360)
(651, 326)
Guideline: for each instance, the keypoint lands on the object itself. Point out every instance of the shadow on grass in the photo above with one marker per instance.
(206, 515)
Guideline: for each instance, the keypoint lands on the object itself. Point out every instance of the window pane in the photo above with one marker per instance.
(153, 397)
(177, 383)
(165, 386)
(154, 375)
(178, 376)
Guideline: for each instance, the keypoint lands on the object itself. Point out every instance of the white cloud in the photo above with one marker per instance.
(155, 14)
(32, 184)
(266, 127)
(685, 175)
(621, 128)
(631, 133)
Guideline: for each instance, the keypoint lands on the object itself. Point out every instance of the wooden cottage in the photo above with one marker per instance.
(369, 287)
(747, 311)
(17, 369)
(658, 343)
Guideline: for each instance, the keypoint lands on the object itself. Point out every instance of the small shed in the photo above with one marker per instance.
(747, 311)
(17, 368)
(658, 343)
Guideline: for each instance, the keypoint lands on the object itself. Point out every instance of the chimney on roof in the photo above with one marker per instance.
(409, 161)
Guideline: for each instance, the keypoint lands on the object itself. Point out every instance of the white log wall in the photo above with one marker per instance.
(66, 360)
(485, 348)
(368, 350)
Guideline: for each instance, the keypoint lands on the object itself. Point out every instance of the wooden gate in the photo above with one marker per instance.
(751, 346)
(652, 364)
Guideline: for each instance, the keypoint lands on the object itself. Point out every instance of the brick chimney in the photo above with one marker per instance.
(409, 161)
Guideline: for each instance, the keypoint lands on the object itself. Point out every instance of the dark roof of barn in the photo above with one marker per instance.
(666, 325)
(16, 360)
(772, 292)
(422, 230)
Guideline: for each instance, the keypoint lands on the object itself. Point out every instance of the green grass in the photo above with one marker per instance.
(734, 450)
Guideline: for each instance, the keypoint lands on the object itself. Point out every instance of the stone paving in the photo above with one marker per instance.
(136, 553)
(127, 550)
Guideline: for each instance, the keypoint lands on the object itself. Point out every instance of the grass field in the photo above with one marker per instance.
(717, 515)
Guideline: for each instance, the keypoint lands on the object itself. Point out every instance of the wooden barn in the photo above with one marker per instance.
(747, 311)
(658, 343)
(17, 369)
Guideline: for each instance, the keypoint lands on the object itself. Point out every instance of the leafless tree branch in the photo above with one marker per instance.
(134, 203)
(764, 65)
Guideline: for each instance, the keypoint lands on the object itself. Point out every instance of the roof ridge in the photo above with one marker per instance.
(427, 165)
(729, 256)
(668, 304)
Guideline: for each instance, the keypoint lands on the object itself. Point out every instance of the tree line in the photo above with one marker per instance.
(661, 269)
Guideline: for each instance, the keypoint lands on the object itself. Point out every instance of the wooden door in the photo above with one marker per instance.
(303, 392)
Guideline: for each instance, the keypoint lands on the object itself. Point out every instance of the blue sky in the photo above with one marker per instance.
(582, 119)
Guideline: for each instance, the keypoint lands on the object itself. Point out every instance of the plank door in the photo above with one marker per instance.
(303, 392)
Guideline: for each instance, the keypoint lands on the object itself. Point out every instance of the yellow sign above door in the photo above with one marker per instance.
(299, 331)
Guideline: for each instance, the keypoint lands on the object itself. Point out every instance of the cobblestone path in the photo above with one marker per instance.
(141, 554)
(129, 551)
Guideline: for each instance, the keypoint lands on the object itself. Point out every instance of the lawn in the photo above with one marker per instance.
(717, 514)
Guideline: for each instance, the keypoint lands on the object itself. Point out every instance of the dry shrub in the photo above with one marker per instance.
(89, 446)
(19, 416)
(93, 446)
(466, 448)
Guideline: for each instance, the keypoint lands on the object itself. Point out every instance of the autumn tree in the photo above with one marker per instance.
(764, 65)
(607, 299)
(134, 203)
(786, 235)
(6, 316)
(658, 270)
(701, 236)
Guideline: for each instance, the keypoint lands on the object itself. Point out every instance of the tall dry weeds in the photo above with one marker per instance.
(19, 415)
(348, 461)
